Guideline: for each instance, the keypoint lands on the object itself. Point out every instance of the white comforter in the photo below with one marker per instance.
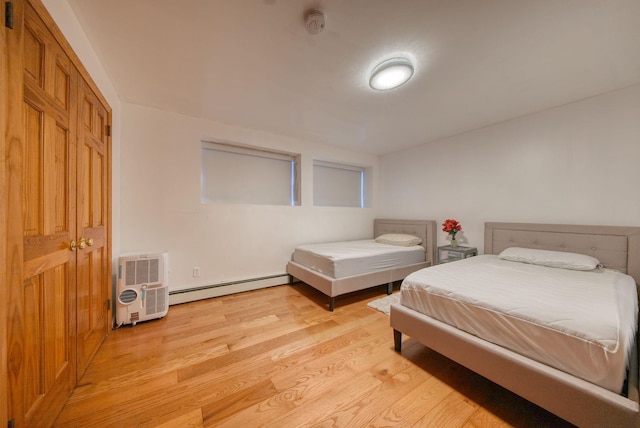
(580, 322)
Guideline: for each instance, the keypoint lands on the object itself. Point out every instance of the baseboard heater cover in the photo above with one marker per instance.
(216, 290)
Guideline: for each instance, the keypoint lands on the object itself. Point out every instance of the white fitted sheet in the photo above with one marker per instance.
(583, 323)
(348, 258)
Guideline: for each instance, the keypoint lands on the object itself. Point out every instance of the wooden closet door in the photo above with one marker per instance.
(48, 371)
(93, 284)
(56, 189)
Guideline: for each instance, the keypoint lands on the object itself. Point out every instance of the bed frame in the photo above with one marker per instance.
(575, 400)
(332, 287)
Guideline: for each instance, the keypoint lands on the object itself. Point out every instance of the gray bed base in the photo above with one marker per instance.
(332, 287)
(575, 400)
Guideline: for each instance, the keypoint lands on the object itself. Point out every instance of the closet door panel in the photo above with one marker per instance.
(93, 261)
(48, 371)
(49, 367)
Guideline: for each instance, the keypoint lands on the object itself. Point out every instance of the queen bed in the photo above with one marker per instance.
(398, 247)
(585, 371)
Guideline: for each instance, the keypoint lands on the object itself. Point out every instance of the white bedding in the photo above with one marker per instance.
(344, 259)
(580, 322)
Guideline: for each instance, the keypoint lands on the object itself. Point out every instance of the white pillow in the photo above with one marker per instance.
(398, 239)
(557, 259)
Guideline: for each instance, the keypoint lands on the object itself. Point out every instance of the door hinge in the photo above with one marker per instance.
(11, 423)
(8, 15)
(108, 304)
(108, 130)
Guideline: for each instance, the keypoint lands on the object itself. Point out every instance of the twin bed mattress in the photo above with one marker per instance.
(344, 259)
(581, 322)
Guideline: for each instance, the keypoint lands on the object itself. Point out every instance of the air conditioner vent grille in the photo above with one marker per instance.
(154, 270)
(155, 301)
(142, 271)
(131, 273)
(128, 296)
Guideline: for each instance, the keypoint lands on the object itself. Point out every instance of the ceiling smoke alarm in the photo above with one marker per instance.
(314, 21)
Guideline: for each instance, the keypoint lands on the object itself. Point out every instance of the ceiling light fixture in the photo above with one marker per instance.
(390, 74)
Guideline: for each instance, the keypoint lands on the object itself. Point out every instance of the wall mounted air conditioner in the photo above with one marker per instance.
(142, 288)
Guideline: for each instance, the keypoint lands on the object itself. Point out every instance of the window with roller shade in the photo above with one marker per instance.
(339, 185)
(248, 175)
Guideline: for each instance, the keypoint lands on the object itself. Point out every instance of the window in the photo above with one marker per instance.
(339, 185)
(248, 175)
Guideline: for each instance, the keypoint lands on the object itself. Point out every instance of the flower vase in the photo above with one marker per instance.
(454, 243)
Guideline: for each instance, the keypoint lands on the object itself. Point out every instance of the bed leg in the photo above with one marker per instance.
(332, 303)
(390, 288)
(397, 340)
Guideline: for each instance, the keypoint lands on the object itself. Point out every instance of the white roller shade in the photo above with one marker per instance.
(244, 175)
(336, 185)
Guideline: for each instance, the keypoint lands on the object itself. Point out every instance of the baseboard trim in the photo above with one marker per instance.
(216, 290)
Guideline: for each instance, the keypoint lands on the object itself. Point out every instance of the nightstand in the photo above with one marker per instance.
(448, 254)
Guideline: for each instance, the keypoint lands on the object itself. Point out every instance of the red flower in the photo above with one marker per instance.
(451, 227)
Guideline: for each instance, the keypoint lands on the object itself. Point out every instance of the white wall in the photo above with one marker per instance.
(577, 163)
(161, 208)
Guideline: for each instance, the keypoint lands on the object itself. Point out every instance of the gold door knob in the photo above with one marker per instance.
(84, 243)
(81, 244)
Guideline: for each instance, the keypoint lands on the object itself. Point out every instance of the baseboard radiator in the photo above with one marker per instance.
(216, 290)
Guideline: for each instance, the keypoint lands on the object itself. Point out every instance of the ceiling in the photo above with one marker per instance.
(251, 63)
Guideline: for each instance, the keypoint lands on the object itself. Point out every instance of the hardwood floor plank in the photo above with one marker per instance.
(244, 353)
(395, 383)
(314, 399)
(453, 411)
(84, 396)
(411, 407)
(277, 357)
(192, 419)
(231, 405)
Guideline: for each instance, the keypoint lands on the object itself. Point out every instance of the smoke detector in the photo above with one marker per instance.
(314, 21)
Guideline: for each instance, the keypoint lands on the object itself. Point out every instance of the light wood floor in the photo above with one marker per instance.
(276, 357)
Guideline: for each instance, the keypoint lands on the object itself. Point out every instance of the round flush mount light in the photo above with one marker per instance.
(390, 74)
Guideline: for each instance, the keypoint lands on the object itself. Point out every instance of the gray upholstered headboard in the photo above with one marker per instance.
(616, 247)
(424, 229)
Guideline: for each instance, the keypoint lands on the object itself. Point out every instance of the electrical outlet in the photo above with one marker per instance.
(196, 272)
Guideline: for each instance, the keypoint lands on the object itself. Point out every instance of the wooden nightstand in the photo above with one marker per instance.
(448, 254)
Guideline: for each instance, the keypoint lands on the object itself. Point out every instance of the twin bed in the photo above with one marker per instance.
(575, 355)
(339, 268)
(548, 312)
